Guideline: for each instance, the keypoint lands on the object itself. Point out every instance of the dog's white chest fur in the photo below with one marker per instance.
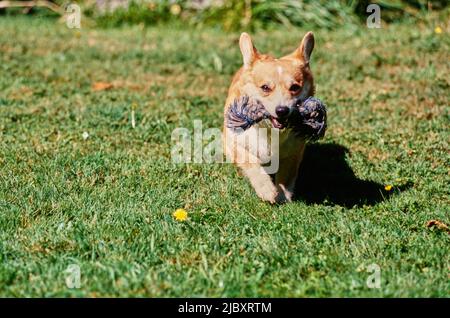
(264, 142)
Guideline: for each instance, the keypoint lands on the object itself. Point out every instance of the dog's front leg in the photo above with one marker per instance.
(242, 153)
(251, 167)
(262, 183)
(286, 177)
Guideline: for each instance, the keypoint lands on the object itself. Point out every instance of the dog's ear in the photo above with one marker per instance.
(249, 52)
(303, 52)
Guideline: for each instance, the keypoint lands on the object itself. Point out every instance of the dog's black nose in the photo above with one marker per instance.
(282, 111)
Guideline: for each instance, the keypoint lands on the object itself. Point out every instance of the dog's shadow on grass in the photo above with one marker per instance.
(325, 177)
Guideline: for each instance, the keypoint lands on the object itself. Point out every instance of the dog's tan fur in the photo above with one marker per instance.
(279, 75)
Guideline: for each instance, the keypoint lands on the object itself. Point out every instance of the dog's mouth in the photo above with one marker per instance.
(276, 123)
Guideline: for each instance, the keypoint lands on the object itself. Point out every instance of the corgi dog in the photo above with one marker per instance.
(278, 84)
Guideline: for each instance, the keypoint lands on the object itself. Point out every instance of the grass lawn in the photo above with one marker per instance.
(105, 202)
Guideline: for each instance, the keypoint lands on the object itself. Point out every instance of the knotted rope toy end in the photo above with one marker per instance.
(309, 119)
(244, 112)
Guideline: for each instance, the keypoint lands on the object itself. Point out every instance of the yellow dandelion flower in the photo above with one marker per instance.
(437, 30)
(388, 187)
(180, 215)
(175, 9)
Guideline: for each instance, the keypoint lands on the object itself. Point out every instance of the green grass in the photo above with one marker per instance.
(106, 203)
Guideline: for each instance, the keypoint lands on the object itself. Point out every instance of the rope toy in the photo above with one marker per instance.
(308, 118)
(244, 113)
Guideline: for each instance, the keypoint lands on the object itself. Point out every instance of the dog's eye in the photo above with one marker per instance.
(266, 89)
(295, 88)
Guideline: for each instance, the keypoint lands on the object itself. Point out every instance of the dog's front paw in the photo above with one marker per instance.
(268, 192)
(274, 195)
(287, 194)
